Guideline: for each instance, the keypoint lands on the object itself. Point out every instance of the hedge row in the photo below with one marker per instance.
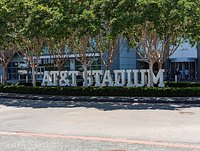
(167, 84)
(182, 84)
(104, 91)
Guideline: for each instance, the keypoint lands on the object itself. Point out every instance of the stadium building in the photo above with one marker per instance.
(185, 58)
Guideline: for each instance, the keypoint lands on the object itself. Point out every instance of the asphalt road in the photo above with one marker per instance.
(86, 126)
(18, 143)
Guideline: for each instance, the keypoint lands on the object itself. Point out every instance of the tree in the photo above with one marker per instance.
(84, 38)
(32, 50)
(6, 54)
(57, 33)
(108, 50)
(157, 28)
(32, 33)
(110, 30)
(9, 20)
(85, 48)
(58, 53)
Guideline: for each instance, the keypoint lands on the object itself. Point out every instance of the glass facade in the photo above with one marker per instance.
(17, 73)
(187, 70)
(125, 59)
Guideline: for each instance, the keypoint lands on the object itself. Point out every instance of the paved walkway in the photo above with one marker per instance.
(185, 100)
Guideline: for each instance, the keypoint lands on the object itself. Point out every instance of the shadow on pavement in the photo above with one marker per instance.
(105, 106)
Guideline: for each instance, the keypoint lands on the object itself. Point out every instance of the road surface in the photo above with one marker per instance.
(91, 126)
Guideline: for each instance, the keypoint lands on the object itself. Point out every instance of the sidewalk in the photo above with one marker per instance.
(175, 100)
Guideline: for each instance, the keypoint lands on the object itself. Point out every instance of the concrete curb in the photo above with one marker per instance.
(175, 100)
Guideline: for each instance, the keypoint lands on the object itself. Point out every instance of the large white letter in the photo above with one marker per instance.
(119, 78)
(74, 74)
(107, 79)
(159, 77)
(47, 81)
(142, 78)
(129, 78)
(89, 78)
(54, 75)
(63, 79)
(97, 74)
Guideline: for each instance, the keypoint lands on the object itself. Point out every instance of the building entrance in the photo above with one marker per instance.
(187, 70)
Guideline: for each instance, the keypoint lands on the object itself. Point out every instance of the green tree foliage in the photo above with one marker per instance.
(57, 32)
(155, 27)
(84, 36)
(158, 27)
(110, 29)
(32, 32)
(10, 17)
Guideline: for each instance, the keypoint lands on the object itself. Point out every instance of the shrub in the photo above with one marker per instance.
(105, 91)
(182, 84)
(28, 84)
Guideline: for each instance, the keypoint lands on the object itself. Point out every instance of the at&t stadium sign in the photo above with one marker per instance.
(130, 78)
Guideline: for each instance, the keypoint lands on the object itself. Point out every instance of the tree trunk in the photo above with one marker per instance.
(33, 76)
(85, 75)
(151, 74)
(4, 74)
(107, 67)
(160, 66)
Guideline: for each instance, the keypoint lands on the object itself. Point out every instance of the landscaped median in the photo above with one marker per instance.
(193, 91)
